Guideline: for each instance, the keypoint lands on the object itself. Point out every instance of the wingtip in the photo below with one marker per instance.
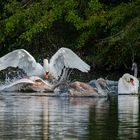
(87, 68)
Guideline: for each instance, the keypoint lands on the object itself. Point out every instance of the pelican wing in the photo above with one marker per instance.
(22, 59)
(65, 57)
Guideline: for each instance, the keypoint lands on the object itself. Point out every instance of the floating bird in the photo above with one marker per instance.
(128, 84)
(113, 86)
(32, 84)
(74, 89)
(83, 89)
(62, 60)
(135, 69)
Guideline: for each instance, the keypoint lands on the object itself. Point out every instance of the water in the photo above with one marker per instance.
(29, 117)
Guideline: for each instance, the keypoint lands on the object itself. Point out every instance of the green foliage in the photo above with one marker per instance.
(107, 33)
(121, 39)
(27, 21)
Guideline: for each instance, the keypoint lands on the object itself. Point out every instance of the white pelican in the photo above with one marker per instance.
(63, 58)
(128, 84)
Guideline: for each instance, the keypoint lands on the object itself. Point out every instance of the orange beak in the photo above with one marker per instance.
(132, 81)
(47, 75)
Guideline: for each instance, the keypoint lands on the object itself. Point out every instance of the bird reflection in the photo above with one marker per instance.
(24, 118)
(41, 117)
(128, 110)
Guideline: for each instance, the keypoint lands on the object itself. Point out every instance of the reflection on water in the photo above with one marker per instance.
(56, 118)
(128, 111)
(23, 117)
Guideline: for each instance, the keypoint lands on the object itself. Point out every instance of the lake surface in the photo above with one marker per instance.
(29, 117)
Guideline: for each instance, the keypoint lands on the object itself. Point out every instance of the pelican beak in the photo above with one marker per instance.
(47, 75)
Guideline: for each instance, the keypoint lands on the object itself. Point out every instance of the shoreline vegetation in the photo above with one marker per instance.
(104, 33)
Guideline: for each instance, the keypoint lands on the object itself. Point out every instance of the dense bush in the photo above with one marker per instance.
(104, 33)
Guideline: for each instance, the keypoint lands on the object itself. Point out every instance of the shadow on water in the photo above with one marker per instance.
(56, 118)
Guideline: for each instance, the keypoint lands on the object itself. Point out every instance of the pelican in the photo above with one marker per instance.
(128, 84)
(63, 58)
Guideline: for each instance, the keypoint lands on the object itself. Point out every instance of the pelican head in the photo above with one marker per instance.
(46, 67)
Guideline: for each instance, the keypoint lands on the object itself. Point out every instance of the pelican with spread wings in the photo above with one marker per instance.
(62, 60)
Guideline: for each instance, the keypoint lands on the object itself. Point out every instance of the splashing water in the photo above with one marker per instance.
(10, 75)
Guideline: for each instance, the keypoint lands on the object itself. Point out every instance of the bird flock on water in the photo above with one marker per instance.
(52, 78)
